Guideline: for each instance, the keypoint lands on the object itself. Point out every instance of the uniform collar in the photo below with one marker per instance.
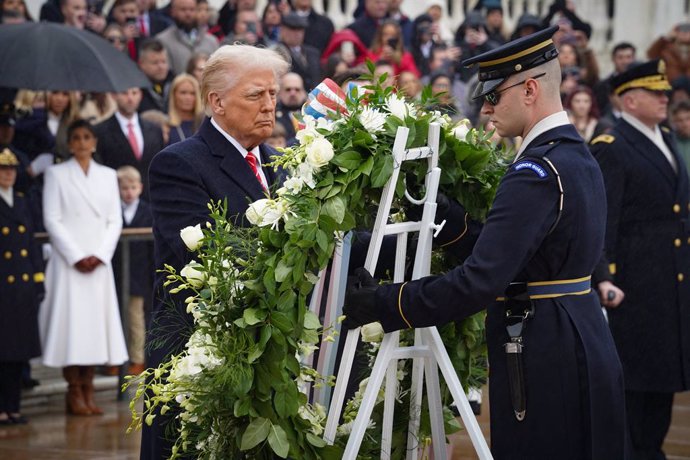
(545, 124)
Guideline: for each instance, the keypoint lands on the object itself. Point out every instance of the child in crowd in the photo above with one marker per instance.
(136, 214)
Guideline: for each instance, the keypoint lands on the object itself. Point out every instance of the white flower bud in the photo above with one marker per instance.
(372, 332)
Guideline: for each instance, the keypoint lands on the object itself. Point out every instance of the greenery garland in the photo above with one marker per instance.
(236, 386)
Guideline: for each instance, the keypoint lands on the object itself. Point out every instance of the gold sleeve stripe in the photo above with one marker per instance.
(402, 315)
(459, 237)
(612, 269)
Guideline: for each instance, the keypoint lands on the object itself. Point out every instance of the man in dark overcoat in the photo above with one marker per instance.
(648, 248)
(239, 89)
(21, 283)
(530, 268)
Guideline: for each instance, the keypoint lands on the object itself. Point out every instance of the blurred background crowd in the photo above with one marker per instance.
(170, 45)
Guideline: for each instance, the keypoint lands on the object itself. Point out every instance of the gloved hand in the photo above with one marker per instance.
(360, 299)
(443, 208)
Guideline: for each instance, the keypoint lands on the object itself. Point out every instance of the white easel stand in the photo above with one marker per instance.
(428, 353)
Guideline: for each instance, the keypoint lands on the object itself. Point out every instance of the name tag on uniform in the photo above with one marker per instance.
(541, 172)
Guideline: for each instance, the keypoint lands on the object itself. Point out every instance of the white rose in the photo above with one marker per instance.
(192, 236)
(461, 129)
(265, 212)
(194, 277)
(372, 332)
(372, 119)
(319, 152)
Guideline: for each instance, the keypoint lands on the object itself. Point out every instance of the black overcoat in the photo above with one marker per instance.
(184, 178)
(648, 246)
(574, 387)
(21, 281)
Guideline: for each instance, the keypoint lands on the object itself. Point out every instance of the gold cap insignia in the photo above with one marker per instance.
(662, 67)
(7, 158)
(518, 67)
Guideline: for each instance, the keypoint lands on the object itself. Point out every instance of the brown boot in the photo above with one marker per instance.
(87, 373)
(74, 398)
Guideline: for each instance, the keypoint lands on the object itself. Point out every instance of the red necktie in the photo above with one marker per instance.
(142, 27)
(132, 138)
(251, 161)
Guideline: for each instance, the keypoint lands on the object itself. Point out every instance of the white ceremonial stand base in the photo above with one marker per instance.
(428, 353)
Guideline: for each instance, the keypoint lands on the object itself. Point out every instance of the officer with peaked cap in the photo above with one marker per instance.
(647, 193)
(21, 284)
(555, 381)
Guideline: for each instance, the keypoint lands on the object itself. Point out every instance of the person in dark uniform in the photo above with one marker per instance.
(648, 248)
(21, 284)
(530, 268)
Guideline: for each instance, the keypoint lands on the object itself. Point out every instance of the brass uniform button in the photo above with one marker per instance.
(680, 277)
(5, 230)
(23, 253)
(25, 277)
(21, 229)
(676, 208)
(8, 255)
(677, 242)
(10, 279)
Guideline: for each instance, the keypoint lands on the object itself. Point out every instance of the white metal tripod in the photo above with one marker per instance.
(428, 352)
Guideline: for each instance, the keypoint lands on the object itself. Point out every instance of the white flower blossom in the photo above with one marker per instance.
(319, 152)
(192, 236)
(372, 332)
(461, 129)
(194, 277)
(398, 107)
(305, 173)
(266, 212)
(307, 134)
(441, 119)
(372, 119)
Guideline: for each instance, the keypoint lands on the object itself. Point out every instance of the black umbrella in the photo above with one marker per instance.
(55, 57)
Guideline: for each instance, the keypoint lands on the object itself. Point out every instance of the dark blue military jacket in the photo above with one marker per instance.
(21, 281)
(574, 386)
(648, 245)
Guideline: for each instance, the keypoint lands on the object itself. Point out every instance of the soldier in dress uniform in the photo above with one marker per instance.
(555, 382)
(21, 283)
(648, 248)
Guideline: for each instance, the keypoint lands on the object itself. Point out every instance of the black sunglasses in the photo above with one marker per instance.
(494, 97)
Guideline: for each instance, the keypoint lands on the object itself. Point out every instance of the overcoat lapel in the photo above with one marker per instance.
(231, 161)
(8, 212)
(650, 152)
(682, 184)
(78, 178)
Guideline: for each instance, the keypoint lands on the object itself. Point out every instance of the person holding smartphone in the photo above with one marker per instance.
(388, 46)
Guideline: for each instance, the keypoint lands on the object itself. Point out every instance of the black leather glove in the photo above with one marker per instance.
(360, 299)
(443, 207)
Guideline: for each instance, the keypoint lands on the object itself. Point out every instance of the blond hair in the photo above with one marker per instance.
(229, 62)
(173, 113)
(128, 174)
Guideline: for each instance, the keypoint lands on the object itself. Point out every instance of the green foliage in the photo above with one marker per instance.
(235, 386)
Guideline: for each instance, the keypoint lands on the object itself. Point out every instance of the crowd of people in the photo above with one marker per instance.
(59, 150)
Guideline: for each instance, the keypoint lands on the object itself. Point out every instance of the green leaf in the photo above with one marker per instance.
(278, 441)
(315, 440)
(253, 316)
(322, 240)
(311, 321)
(348, 160)
(286, 404)
(282, 321)
(242, 407)
(282, 271)
(335, 207)
(256, 432)
(383, 168)
(255, 353)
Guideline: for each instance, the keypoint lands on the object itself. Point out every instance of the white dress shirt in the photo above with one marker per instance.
(7, 195)
(129, 210)
(135, 125)
(244, 151)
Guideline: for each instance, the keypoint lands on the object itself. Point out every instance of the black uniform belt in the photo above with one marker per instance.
(548, 289)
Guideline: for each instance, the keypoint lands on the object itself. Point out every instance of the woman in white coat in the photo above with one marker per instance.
(79, 319)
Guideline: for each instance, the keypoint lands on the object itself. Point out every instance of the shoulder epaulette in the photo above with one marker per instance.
(603, 138)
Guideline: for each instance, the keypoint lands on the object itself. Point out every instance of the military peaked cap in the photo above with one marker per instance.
(647, 75)
(7, 158)
(513, 57)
